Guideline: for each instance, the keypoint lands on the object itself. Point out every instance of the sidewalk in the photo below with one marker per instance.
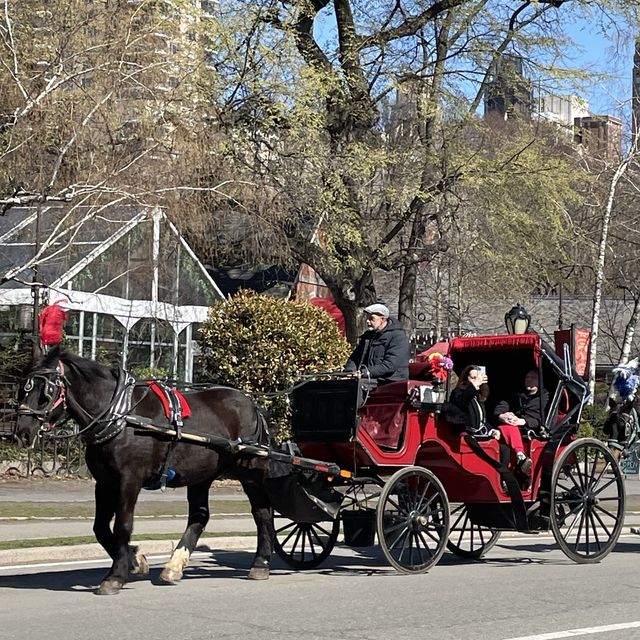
(42, 492)
(229, 531)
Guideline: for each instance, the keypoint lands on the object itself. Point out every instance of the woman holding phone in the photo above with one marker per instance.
(469, 395)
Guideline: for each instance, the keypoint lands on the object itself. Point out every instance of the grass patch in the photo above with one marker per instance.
(75, 540)
(86, 509)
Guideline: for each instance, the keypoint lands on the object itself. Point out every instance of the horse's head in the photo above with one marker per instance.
(42, 399)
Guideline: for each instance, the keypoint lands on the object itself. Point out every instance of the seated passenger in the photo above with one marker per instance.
(469, 395)
(525, 408)
(383, 350)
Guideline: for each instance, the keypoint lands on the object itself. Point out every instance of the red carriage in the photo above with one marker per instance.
(401, 470)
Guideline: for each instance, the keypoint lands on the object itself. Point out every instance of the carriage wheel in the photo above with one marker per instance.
(587, 501)
(469, 540)
(413, 520)
(304, 545)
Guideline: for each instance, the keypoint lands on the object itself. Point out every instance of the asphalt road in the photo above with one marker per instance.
(525, 588)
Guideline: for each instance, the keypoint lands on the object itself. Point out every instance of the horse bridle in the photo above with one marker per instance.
(55, 390)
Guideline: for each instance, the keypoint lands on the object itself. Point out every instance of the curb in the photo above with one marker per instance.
(40, 555)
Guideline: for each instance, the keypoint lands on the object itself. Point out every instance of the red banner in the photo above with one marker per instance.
(579, 341)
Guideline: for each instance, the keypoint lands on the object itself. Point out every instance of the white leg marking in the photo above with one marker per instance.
(179, 560)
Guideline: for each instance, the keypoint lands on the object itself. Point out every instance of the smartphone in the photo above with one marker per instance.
(482, 371)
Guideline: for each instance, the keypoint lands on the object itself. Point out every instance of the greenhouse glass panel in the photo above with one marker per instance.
(124, 270)
(195, 288)
(168, 266)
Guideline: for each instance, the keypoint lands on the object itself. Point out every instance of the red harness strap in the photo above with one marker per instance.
(160, 392)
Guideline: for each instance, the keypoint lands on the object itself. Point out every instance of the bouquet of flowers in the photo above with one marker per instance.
(440, 366)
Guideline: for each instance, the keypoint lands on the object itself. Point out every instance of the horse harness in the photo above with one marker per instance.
(101, 428)
(119, 412)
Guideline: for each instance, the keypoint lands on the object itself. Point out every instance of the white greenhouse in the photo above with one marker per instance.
(135, 290)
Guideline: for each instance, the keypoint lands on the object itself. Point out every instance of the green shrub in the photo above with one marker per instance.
(594, 416)
(262, 344)
(146, 373)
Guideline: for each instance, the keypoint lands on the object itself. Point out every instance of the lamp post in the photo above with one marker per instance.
(517, 320)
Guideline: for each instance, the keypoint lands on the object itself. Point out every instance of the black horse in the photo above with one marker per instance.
(124, 452)
(621, 425)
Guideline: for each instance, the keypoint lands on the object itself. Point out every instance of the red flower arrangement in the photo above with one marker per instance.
(440, 366)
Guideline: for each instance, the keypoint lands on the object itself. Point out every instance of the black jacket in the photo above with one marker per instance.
(384, 353)
(525, 406)
(467, 400)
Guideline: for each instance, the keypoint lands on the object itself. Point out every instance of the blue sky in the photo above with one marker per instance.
(604, 53)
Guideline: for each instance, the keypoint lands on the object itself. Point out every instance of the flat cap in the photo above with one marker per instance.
(378, 309)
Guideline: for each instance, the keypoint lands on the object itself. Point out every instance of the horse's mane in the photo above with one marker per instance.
(89, 369)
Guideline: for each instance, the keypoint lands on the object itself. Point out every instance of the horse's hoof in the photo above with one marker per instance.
(139, 566)
(109, 588)
(259, 573)
(170, 576)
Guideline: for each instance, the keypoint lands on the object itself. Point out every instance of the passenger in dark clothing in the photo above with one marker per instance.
(525, 409)
(383, 350)
(469, 395)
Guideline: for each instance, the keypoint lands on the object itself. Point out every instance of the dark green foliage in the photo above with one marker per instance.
(262, 344)
(594, 416)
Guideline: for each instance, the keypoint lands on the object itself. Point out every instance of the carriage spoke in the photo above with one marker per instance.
(601, 489)
(579, 534)
(466, 520)
(293, 532)
(595, 530)
(602, 524)
(402, 533)
(397, 506)
(613, 516)
(425, 544)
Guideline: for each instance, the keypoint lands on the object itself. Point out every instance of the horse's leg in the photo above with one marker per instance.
(198, 497)
(122, 528)
(262, 515)
(105, 510)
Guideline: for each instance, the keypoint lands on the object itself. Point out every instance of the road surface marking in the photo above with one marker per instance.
(573, 633)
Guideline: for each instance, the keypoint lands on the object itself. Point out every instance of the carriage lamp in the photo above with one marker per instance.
(517, 320)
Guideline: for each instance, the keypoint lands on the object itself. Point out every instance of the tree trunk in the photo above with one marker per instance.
(630, 329)
(602, 251)
(406, 299)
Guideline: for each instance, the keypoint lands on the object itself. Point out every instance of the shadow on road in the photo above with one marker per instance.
(221, 564)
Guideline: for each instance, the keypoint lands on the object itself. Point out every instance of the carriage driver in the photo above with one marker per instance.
(383, 349)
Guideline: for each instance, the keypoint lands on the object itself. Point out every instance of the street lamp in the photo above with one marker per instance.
(517, 320)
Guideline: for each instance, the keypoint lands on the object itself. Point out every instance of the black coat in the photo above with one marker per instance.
(384, 353)
(469, 404)
(525, 406)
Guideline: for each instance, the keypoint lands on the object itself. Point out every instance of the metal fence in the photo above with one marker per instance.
(8, 401)
(61, 455)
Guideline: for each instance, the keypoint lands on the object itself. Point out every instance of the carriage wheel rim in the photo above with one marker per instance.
(413, 523)
(587, 501)
(304, 545)
(467, 539)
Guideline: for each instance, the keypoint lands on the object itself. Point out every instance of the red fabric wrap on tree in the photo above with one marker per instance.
(51, 322)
